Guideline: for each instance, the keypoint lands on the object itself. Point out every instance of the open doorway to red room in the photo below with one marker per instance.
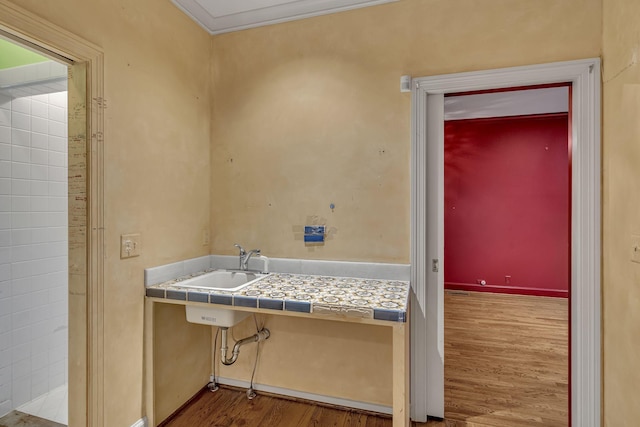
(507, 255)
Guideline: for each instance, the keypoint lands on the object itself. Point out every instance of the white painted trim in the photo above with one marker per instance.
(586, 218)
(289, 11)
(435, 251)
(347, 403)
(142, 422)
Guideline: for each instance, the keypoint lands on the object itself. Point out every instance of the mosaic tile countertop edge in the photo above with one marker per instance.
(325, 295)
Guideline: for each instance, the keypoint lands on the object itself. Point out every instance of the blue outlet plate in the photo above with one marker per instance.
(314, 233)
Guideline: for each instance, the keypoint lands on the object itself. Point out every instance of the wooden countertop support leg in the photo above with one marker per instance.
(148, 402)
(401, 375)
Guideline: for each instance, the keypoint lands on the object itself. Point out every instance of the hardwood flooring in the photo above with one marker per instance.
(506, 359)
(230, 407)
(506, 365)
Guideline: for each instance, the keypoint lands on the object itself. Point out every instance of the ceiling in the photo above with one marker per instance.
(509, 103)
(223, 16)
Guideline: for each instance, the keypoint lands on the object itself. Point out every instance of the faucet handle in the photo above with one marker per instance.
(242, 251)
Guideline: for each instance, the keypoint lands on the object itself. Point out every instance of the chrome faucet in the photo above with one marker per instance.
(246, 256)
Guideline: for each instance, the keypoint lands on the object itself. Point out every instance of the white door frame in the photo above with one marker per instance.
(427, 320)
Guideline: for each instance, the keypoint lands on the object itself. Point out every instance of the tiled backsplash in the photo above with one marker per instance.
(364, 270)
(171, 271)
(33, 246)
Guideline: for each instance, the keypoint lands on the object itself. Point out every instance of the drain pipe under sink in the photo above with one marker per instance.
(261, 335)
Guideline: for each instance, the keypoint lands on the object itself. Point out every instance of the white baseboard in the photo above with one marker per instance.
(371, 407)
(142, 422)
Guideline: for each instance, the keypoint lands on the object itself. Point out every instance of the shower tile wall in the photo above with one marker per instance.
(33, 247)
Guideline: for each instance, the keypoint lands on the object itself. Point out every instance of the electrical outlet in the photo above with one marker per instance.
(635, 249)
(205, 237)
(130, 245)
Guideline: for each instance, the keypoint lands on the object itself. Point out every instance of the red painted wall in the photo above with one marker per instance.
(507, 195)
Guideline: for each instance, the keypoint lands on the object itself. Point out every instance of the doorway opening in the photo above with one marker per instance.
(34, 233)
(506, 265)
(85, 137)
(427, 221)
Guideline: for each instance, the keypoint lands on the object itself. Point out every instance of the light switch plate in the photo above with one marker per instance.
(130, 245)
(635, 249)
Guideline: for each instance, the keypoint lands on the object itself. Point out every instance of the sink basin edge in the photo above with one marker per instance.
(222, 280)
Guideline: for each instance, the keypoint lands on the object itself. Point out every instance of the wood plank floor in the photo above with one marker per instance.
(506, 365)
(506, 359)
(229, 407)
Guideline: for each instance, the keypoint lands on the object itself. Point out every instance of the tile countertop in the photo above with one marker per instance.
(324, 295)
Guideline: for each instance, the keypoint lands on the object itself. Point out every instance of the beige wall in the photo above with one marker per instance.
(621, 191)
(157, 85)
(182, 358)
(309, 113)
(303, 114)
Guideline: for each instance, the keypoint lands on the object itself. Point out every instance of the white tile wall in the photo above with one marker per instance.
(33, 247)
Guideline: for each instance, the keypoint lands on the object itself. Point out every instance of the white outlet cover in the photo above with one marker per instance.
(130, 245)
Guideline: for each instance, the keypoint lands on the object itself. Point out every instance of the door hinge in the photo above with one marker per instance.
(434, 265)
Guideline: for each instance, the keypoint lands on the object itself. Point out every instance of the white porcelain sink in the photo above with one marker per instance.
(215, 316)
(222, 280)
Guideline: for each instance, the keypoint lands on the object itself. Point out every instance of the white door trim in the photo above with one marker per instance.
(584, 75)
